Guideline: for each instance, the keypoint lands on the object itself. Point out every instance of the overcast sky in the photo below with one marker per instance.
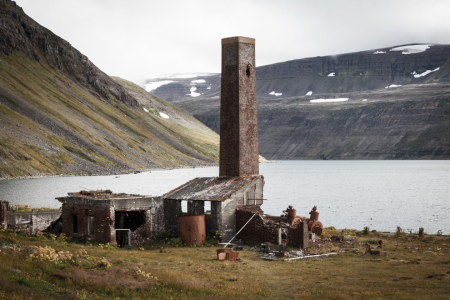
(138, 39)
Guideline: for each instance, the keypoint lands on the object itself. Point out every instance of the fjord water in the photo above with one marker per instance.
(349, 194)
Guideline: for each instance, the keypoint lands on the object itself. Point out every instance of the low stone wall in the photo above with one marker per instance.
(34, 220)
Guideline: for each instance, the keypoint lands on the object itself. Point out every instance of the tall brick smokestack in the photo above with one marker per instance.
(238, 110)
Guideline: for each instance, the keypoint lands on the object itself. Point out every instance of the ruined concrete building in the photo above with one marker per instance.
(239, 182)
(224, 195)
(234, 196)
(112, 218)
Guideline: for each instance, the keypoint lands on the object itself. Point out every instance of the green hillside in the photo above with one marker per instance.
(59, 114)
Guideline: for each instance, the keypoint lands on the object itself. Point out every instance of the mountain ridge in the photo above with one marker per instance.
(375, 104)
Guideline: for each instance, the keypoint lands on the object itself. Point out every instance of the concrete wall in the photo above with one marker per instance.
(34, 220)
(239, 198)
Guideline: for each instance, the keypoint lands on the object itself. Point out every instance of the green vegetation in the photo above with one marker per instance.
(49, 266)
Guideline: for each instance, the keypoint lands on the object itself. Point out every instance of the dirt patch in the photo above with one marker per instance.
(114, 277)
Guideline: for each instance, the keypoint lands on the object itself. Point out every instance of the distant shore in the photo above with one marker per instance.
(125, 172)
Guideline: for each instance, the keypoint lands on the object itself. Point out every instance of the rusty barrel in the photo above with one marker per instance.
(192, 229)
(314, 215)
(292, 213)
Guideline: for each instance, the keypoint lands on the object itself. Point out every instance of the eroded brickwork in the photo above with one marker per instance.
(238, 109)
(258, 230)
(103, 222)
(255, 231)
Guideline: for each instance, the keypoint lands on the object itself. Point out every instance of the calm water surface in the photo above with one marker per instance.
(348, 194)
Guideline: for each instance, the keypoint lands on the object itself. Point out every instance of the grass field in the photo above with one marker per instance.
(52, 267)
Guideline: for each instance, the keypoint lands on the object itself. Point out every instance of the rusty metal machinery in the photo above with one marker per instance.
(317, 228)
(314, 225)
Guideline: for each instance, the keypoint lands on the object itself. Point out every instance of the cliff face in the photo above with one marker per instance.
(408, 122)
(60, 114)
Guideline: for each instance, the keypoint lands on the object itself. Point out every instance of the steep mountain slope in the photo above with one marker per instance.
(61, 114)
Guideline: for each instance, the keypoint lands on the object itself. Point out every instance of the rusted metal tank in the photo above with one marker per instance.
(291, 212)
(192, 229)
(314, 225)
(314, 214)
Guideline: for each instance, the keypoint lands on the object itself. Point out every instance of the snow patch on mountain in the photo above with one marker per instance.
(154, 85)
(275, 94)
(198, 81)
(411, 49)
(393, 86)
(424, 73)
(328, 100)
(193, 93)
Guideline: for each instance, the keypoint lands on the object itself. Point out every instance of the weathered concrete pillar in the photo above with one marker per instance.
(238, 109)
(172, 210)
(195, 208)
(3, 212)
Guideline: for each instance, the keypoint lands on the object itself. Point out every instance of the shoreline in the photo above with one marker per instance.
(136, 171)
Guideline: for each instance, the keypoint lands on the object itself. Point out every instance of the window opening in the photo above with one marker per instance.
(184, 206)
(74, 224)
(90, 225)
(129, 219)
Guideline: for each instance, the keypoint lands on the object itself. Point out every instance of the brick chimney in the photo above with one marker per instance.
(238, 110)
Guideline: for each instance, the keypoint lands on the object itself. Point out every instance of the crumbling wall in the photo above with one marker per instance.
(156, 217)
(3, 213)
(298, 237)
(258, 231)
(104, 219)
(154, 222)
(255, 231)
(32, 220)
